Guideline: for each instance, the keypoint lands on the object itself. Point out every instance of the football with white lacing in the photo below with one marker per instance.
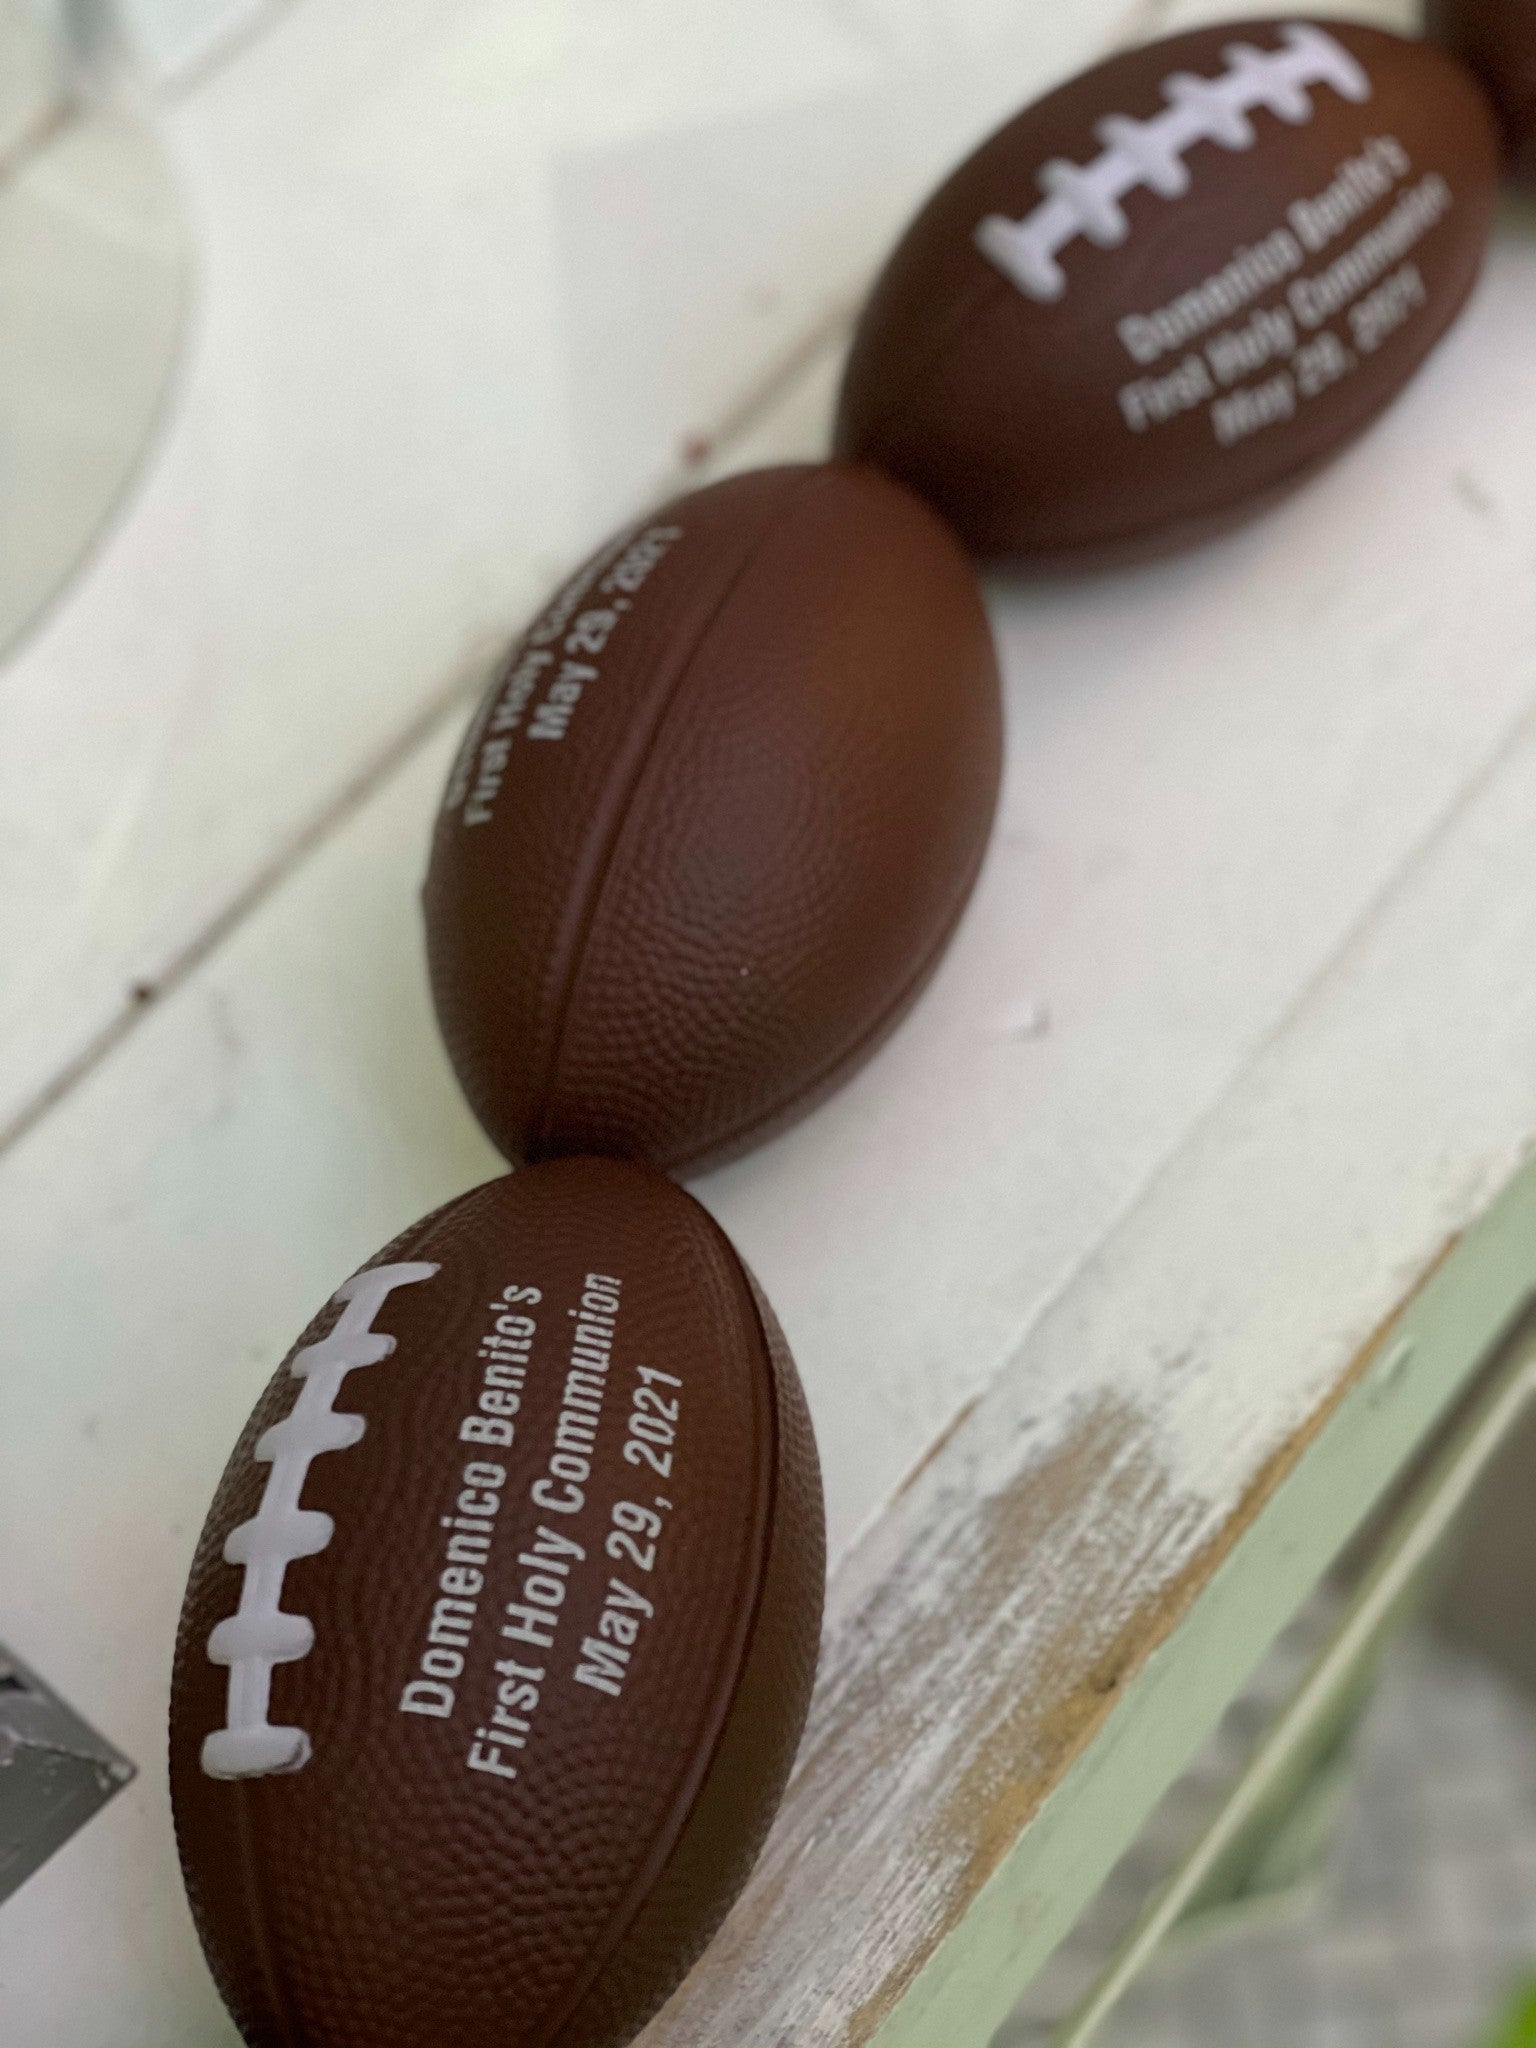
(1159, 298)
(500, 1636)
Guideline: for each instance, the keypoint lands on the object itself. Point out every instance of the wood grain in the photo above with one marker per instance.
(475, 284)
(1237, 1038)
(997, 1632)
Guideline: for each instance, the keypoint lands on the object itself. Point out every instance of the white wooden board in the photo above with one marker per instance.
(474, 278)
(475, 281)
(1238, 1030)
(1192, 850)
(30, 81)
(178, 43)
(93, 290)
(993, 1632)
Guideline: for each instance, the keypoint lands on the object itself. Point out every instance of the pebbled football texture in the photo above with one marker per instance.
(712, 829)
(1160, 297)
(527, 1726)
(1498, 39)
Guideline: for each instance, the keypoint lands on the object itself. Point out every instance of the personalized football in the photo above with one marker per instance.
(712, 828)
(501, 1632)
(1498, 39)
(1164, 294)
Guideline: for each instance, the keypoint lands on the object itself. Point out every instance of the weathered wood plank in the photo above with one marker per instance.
(177, 41)
(1194, 852)
(93, 302)
(1237, 1035)
(474, 281)
(30, 83)
(993, 1642)
(1216, 767)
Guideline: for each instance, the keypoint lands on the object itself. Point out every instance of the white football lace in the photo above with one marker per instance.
(259, 1635)
(1085, 199)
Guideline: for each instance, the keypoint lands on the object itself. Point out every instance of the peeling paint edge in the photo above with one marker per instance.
(1208, 1633)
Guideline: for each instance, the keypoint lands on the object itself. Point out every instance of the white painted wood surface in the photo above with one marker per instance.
(178, 43)
(1109, 1459)
(473, 276)
(93, 300)
(474, 279)
(1240, 1028)
(29, 79)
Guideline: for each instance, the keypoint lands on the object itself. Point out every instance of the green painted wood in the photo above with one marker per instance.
(1518, 2029)
(1336, 1688)
(1413, 1376)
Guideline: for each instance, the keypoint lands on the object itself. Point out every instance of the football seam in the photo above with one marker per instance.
(890, 1016)
(252, 1890)
(258, 1922)
(247, 1858)
(975, 302)
(811, 478)
(250, 1641)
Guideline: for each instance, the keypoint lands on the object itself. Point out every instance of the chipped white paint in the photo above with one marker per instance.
(988, 1621)
(1418, 1536)
(260, 1635)
(1087, 201)
(1194, 864)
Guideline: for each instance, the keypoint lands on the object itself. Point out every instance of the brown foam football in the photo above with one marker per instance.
(1498, 39)
(1164, 294)
(712, 829)
(501, 1632)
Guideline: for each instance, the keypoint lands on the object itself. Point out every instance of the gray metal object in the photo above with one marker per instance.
(55, 1772)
